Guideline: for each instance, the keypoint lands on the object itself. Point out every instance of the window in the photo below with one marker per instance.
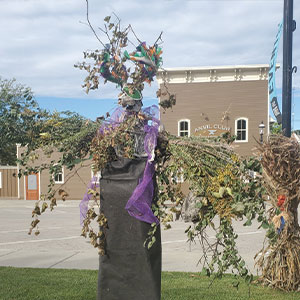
(59, 177)
(184, 127)
(241, 130)
(32, 182)
(0, 180)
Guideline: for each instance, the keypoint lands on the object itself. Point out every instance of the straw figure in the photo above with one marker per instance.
(279, 261)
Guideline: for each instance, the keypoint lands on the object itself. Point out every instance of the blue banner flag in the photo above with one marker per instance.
(272, 70)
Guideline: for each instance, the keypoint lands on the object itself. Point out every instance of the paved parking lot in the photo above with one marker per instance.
(60, 245)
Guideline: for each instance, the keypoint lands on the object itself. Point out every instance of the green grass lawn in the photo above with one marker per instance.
(58, 284)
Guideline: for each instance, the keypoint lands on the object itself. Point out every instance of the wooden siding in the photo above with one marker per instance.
(9, 182)
(75, 185)
(206, 103)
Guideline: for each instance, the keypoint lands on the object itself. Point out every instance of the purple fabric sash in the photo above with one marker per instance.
(140, 202)
(84, 203)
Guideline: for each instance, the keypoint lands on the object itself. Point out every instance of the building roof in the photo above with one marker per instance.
(214, 73)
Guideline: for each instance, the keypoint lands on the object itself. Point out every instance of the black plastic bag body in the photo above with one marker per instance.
(128, 271)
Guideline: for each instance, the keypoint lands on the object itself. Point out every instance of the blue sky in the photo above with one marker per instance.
(89, 108)
(41, 40)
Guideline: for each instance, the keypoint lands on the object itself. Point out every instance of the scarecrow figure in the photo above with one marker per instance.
(128, 269)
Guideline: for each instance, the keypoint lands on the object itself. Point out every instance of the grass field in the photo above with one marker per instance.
(58, 284)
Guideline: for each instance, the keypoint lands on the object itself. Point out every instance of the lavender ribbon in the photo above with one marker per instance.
(84, 203)
(140, 202)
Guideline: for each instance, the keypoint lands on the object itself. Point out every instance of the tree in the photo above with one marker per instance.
(18, 113)
(297, 131)
(23, 121)
(276, 128)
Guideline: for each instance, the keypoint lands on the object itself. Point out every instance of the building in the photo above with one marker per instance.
(74, 182)
(8, 182)
(214, 100)
(209, 101)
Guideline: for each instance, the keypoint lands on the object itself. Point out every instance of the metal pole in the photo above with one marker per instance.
(289, 25)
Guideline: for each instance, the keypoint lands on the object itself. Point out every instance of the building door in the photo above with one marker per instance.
(32, 186)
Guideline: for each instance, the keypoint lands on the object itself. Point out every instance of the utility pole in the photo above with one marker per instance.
(289, 25)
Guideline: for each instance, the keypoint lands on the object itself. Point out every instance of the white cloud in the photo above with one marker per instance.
(41, 39)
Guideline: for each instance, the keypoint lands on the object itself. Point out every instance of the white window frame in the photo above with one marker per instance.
(189, 126)
(62, 176)
(236, 129)
(0, 180)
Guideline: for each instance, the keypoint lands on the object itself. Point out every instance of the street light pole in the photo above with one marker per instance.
(261, 127)
(289, 25)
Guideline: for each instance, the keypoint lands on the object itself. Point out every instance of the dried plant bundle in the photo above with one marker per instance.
(280, 260)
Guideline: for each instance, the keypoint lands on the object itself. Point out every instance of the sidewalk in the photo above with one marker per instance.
(60, 245)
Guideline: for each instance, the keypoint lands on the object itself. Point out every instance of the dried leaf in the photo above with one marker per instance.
(107, 19)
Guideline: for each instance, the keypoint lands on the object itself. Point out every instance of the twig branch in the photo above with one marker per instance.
(106, 32)
(89, 23)
(119, 26)
(135, 34)
(84, 23)
(159, 38)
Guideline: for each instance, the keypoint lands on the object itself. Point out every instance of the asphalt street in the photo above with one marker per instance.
(60, 245)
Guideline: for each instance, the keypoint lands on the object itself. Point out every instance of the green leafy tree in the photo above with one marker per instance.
(23, 121)
(18, 112)
(276, 128)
